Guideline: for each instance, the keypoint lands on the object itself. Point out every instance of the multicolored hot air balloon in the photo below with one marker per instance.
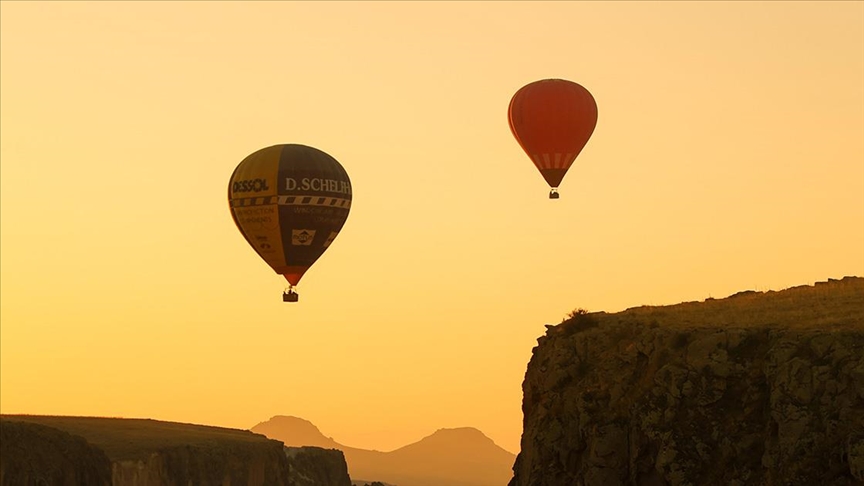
(289, 202)
(552, 120)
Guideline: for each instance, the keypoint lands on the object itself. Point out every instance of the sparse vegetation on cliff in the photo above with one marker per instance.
(833, 304)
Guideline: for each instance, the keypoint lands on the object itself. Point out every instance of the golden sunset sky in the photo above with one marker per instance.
(728, 155)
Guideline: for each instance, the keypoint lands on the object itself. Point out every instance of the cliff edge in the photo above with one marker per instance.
(755, 389)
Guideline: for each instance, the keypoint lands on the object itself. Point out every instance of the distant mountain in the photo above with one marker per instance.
(448, 457)
(294, 432)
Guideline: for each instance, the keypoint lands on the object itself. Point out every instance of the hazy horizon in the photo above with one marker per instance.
(728, 155)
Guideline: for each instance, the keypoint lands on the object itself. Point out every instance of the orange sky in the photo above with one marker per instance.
(728, 155)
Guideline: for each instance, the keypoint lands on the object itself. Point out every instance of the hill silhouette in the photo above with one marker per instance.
(449, 457)
(295, 432)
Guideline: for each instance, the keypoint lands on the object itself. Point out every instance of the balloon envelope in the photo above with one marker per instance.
(289, 202)
(552, 120)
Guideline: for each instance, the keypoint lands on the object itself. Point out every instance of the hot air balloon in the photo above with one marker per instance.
(552, 119)
(289, 201)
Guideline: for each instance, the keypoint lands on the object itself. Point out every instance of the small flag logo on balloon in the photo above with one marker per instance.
(302, 237)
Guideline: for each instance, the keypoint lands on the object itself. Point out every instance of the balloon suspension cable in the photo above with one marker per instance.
(553, 194)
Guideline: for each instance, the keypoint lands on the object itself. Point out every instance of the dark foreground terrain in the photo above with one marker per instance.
(754, 389)
(45, 450)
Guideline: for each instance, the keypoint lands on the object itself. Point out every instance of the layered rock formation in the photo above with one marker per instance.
(755, 389)
(217, 464)
(37, 450)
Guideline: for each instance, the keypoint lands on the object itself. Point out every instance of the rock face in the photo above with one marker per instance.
(314, 466)
(34, 455)
(218, 465)
(43, 450)
(755, 389)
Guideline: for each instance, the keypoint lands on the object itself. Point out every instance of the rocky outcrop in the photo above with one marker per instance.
(755, 389)
(35, 455)
(314, 466)
(45, 450)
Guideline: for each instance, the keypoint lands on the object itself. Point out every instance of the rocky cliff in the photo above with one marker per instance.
(37, 450)
(34, 455)
(755, 389)
(214, 464)
(315, 466)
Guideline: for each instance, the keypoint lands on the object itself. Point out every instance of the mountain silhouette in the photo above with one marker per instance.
(449, 457)
(294, 432)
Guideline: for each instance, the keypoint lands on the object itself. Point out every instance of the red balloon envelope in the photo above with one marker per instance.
(552, 120)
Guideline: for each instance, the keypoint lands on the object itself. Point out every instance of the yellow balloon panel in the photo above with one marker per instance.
(254, 205)
(260, 225)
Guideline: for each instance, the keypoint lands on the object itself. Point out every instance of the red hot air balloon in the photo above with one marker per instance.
(552, 120)
(289, 202)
